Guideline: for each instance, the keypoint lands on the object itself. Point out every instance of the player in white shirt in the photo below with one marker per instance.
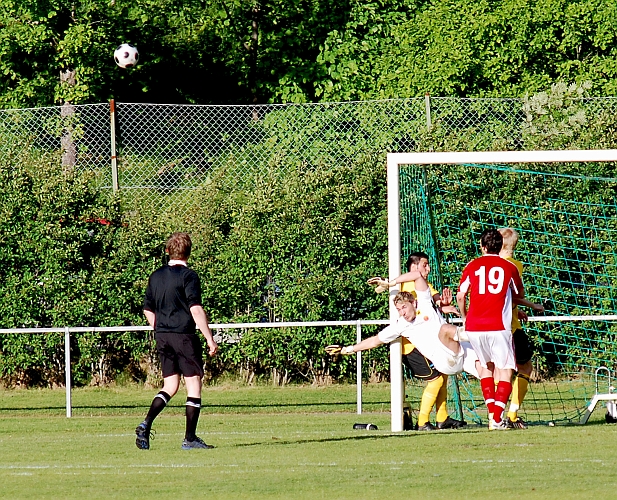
(424, 326)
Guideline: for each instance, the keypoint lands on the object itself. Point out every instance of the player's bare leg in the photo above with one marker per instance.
(447, 335)
(503, 378)
(171, 384)
(487, 384)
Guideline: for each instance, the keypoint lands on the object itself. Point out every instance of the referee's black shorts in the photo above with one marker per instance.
(419, 366)
(180, 353)
(523, 347)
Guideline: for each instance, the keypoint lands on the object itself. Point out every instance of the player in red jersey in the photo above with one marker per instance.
(492, 284)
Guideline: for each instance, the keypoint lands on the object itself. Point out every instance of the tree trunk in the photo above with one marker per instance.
(69, 150)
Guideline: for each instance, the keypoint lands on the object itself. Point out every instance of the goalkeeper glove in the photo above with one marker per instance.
(335, 350)
(382, 284)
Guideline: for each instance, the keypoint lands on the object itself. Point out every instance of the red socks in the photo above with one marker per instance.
(488, 392)
(504, 389)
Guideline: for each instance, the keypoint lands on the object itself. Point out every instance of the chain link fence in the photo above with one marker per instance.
(165, 150)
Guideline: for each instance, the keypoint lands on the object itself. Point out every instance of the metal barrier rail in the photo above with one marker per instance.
(230, 326)
(158, 151)
(214, 326)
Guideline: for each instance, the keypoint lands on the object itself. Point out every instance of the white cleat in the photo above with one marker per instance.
(498, 426)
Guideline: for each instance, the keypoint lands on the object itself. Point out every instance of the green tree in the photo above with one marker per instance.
(191, 51)
(461, 48)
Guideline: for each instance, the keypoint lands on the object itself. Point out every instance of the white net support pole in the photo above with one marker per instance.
(67, 371)
(358, 370)
(397, 387)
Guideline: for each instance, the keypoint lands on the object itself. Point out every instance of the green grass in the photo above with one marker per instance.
(291, 442)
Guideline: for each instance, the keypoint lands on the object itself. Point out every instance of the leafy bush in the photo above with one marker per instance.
(70, 260)
(293, 242)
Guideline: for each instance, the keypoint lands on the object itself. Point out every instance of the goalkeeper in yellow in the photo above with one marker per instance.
(523, 347)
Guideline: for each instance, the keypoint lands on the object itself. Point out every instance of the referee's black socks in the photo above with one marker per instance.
(193, 407)
(158, 404)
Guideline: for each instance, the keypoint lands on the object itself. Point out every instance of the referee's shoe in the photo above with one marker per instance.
(197, 443)
(143, 433)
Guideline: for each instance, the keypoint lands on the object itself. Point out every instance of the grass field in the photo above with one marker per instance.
(291, 442)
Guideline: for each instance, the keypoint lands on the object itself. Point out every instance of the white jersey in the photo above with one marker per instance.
(423, 332)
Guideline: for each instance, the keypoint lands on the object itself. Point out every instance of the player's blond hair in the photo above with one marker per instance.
(179, 246)
(404, 297)
(510, 238)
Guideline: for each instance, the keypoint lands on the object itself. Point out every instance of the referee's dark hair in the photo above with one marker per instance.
(414, 258)
(492, 240)
(179, 246)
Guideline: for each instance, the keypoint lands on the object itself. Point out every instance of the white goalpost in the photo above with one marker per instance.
(394, 160)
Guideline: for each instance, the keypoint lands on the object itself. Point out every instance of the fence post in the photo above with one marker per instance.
(67, 370)
(359, 370)
(427, 106)
(114, 158)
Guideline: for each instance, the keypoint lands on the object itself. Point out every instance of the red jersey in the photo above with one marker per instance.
(489, 280)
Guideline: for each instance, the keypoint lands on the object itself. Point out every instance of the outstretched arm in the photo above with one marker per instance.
(519, 301)
(409, 276)
(383, 284)
(365, 345)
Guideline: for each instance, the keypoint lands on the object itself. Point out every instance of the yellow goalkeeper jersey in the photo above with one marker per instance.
(516, 324)
(410, 286)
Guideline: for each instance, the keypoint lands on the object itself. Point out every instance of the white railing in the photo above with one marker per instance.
(230, 326)
(214, 326)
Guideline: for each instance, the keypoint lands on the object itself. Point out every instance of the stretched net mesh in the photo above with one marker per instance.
(567, 222)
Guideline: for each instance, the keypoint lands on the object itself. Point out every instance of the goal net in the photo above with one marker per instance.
(562, 203)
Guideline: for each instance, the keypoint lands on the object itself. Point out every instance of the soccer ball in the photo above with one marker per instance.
(126, 55)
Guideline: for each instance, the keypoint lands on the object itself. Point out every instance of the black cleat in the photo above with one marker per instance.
(519, 423)
(143, 433)
(451, 423)
(197, 443)
(427, 427)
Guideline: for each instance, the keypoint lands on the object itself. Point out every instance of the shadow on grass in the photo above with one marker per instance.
(360, 437)
(471, 429)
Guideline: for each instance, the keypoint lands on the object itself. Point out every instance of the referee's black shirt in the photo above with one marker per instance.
(171, 292)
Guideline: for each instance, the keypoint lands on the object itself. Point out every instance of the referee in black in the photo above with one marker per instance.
(173, 308)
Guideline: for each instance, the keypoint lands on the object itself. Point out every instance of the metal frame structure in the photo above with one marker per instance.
(394, 225)
(214, 326)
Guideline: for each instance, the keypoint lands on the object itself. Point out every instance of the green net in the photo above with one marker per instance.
(567, 223)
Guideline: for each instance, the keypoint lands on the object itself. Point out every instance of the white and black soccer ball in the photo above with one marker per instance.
(126, 55)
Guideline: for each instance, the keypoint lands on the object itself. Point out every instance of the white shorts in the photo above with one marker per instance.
(425, 336)
(469, 365)
(494, 346)
(423, 332)
(426, 339)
